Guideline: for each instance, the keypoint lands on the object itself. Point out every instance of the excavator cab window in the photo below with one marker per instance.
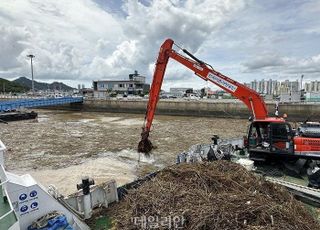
(259, 134)
(281, 138)
(269, 137)
(253, 135)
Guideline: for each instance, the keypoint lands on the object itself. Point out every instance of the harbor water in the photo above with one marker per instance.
(62, 146)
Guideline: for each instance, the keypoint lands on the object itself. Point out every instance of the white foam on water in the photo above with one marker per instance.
(76, 133)
(77, 114)
(130, 155)
(110, 119)
(42, 118)
(121, 166)
(72, 122)
(129, 122)
(100, 169)
(86, 120)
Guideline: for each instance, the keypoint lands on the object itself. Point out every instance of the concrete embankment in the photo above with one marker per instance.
(227, 109)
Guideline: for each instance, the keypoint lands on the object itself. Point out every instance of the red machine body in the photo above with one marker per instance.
(307, 146)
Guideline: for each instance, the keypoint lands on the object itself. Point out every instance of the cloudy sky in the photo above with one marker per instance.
(82, 40)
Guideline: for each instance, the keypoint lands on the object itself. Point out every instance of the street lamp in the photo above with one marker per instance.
(31, 56)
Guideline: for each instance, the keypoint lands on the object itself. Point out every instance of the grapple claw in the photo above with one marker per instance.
(145, 145)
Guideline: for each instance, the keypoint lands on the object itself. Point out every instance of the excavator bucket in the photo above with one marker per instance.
(145, 145)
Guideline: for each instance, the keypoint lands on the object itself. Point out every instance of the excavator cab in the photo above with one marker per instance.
(269, 139)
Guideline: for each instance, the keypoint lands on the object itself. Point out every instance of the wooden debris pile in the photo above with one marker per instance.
(217, 195)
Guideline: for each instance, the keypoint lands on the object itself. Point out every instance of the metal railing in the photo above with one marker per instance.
(38, 102)
(8, 216)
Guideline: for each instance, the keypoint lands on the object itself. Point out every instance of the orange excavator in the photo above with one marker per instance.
(267, 136)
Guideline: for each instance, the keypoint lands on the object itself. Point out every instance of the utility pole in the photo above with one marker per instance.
(31, 56)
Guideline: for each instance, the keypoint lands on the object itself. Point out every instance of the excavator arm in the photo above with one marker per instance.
(248, 96)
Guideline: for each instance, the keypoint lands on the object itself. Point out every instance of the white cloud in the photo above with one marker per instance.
(11, 46)
(266, 61)
(63, 35)
(121, 62)
(82, 40)
(274, 64)
(189, 23)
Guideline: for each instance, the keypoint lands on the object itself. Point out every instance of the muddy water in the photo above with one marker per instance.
(62, 146)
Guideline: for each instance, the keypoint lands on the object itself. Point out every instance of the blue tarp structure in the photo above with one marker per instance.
(58, 223)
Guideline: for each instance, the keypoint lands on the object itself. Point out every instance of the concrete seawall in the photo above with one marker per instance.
(230, 109)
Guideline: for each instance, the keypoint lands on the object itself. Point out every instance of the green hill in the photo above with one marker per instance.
(13, 87)
(42, 85)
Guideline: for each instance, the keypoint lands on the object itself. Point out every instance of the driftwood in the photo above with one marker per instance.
(217, 195)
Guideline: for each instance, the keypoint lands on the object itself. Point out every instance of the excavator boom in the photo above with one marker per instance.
(248, 96)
